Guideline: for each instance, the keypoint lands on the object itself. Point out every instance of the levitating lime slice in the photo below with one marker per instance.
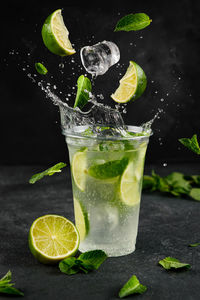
(132, 84)
(81, 218)
(129, 186)
(55, 35)
(79, 169)
(53, 238)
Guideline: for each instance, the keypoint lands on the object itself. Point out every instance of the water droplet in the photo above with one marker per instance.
(164, 164)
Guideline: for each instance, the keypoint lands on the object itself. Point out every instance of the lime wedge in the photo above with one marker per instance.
(55, 35)
(81, 218)
(53, 238)
(109, 169)
(132, 84)
(129, 186)
(79, 169)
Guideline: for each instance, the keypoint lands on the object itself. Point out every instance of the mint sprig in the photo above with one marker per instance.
(85, 263)
(132, 286)
(84, 86)
(49, 172)
(173, 263)
(6, 287)
(191, 144)
(176, 184)
(41, 69)
(133, 22)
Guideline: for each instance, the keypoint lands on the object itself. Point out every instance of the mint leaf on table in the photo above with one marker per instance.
(49, 172)
(172, 263)
(195, 194)
(86, 262)
(133, 22)
(132, 286)
(41, 69)
(194, 245)
(7, 288)
(191, 144)
(84, 87)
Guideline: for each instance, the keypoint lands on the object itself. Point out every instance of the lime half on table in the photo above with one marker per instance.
(53, 238)
(55, 35)
(132, 84)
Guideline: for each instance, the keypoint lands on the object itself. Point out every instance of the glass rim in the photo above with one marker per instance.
(78, 134)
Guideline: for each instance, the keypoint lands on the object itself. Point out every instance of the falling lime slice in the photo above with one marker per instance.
(79, 169)
(132, 84)
(53, 238)
(81, 218)
(55, 35)
(129, 186)
(108, 169)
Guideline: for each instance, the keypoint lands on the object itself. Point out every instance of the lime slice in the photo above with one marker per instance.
(81, 218)
(79, 169)
(109, 169)
(129, 186)
(55, 35)
(132, 84)
(53, 238)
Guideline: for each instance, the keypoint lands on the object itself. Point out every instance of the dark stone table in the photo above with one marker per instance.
(167, 225)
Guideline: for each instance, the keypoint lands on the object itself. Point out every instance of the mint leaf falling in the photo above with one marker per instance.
(173, 263)
(132, 286)
(7, 288)
(133, 22)
(194, 245)
(191, 144)
(84, 87)
(41, 69)
(85, 263)
(54, 169)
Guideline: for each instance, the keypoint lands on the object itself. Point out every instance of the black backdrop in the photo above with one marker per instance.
(168, 50)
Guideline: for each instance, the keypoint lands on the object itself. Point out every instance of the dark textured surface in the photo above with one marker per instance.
(167, 225)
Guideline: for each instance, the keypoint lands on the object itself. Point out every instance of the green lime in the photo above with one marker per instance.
(108, 169)
(53, 238)
(81, 218)
(132, 84)
(129, 186)
(79, 164)
(55, 35)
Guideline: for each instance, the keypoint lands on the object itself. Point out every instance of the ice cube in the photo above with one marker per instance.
(97, 59)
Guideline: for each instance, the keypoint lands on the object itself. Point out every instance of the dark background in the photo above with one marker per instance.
(168, 50)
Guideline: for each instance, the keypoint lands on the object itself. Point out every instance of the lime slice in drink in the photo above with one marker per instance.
(129, 186)
(55, 35)
(108, 169)
(53, 238)
(81, 217)
(79, 169)
(132, 84)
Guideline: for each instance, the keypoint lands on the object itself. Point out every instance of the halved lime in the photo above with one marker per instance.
(53, 238)
(55, 35)
(81, 218)
(79, 164)
(108, 169)
(129, 186)
(132, 84)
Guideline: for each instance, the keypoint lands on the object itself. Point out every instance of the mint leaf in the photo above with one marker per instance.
(93, 258)
(148, 183)
(194, 245)
(6, 287)
(170, 262)
(178, 184)
(133, 286)
(195, 194)
(134, 22)
(41, 69)
(191, 144)
(84, 87)
(49, 172)
(86, 262)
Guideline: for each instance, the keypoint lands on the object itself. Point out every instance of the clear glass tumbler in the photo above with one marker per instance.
(107, 177)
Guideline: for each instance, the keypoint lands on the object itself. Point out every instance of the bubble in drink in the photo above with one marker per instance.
(97, 59)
